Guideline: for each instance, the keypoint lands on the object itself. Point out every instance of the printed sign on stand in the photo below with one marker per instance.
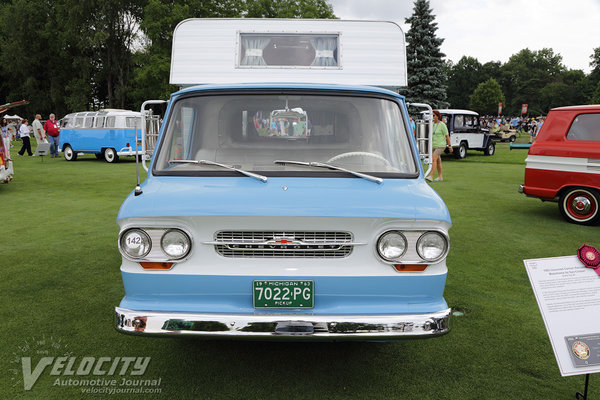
(568, 295)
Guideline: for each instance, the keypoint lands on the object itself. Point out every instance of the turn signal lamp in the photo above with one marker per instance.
(156, 265)
(410, 267)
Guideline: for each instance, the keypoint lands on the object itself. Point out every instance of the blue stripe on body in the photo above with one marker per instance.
(334, 295)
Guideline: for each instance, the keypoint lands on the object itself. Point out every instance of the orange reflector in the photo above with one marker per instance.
(156, 265)
(410, 267)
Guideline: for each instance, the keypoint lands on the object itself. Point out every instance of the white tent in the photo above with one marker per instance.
(6, 116)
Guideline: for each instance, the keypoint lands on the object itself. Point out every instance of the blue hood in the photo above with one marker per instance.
(304, 197)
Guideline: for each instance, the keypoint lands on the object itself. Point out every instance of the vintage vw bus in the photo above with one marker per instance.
(563, 164)
(283, 200)
(108, 134)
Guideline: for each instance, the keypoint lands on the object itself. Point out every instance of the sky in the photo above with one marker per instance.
(494, 30)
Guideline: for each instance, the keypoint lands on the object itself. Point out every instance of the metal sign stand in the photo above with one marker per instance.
(42, 150)
(584, 396)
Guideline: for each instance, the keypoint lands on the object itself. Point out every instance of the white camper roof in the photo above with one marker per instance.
(245, 50)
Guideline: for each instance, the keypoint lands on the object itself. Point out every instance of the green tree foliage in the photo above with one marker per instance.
(288, 9)
(596, 95)
(462, 79)
(426, 79)
(486, 97)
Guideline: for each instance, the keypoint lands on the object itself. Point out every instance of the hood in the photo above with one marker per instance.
(285, 196)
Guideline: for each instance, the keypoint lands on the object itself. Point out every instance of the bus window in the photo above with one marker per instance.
(110, 122)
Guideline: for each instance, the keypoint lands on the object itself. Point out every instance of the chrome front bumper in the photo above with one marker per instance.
(284, 326)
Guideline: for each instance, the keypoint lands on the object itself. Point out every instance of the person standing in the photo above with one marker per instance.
(52, 130)
(5, 138)
(38, 130)
(441, 141)
(12, 130)
(24, 134)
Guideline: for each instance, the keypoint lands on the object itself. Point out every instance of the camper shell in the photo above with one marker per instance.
(277, 210)
(563, 164)
(108, 133)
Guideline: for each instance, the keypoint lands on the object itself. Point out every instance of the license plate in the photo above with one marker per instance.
(283, 294)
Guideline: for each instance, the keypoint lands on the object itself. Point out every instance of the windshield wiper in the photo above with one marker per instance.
(329, 166)
(261, 178)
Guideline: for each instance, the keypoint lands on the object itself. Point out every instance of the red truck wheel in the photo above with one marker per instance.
(580, 206)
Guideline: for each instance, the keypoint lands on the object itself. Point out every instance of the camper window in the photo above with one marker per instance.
(88, 122)
(110, 122)
(300, 50)
(99, 122)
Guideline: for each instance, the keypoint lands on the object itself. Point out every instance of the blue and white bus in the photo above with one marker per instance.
(107, 133)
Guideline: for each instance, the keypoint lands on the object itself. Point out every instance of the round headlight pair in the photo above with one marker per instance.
(136, 243)
(431, 246)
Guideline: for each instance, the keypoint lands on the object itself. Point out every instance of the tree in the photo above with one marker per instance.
(486, 97)
(463, 78)
(426, 79)
(526, 73)
(596, 96)
(288, 9)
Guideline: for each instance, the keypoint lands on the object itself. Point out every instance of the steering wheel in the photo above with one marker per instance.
(359, 154)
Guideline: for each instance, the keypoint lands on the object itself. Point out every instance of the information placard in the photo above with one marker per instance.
(568, 295)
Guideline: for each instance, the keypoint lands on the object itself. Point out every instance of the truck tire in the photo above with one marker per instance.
(461, 151)
(69, 154)
(580, 206)
(490, 149)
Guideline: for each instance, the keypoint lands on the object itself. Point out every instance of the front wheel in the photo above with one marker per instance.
(70, 155)
(512, 138)
(110, 155)
(461, 151)
(490, 149)
(580, 206)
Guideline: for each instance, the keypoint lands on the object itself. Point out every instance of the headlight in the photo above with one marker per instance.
(391, 246)
(431, 246)
(136, 243)
(175, 243)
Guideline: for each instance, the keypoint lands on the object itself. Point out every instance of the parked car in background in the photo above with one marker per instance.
(563, 164)
(466, 133)
(107, 133)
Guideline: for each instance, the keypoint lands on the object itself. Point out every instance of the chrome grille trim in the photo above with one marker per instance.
(283, 244)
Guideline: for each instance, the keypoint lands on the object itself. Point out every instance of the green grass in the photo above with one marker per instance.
(60, 281)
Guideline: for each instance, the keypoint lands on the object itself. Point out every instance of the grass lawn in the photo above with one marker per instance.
(60, 281)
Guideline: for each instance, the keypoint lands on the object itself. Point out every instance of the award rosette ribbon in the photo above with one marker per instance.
(590, 257)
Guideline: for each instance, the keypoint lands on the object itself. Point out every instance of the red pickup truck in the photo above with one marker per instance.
(563, 163)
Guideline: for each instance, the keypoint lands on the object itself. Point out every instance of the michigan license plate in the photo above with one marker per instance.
(283, 294)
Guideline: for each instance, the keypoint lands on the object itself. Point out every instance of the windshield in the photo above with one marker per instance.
(251, 132)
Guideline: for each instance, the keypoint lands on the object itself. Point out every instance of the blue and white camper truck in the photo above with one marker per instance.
(107, 133)
(285, 197)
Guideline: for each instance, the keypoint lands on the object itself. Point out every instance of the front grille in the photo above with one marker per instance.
(283, 244)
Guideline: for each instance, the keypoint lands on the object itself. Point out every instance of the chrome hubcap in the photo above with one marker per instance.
(581, 205)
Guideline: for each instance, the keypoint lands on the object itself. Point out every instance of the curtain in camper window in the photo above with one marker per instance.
(254, 50)
(324, 51)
